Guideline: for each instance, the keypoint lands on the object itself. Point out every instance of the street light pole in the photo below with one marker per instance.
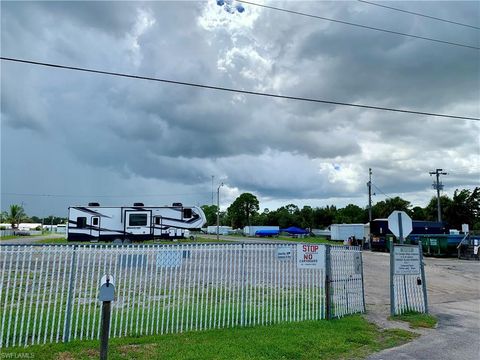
(218, 211)
(212, 188)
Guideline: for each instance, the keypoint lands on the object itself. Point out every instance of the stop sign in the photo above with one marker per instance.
(400, 224)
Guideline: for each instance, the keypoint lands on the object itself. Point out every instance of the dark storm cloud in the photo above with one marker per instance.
(275, 148)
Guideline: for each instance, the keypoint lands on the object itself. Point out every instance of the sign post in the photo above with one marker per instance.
(106, 295)
(424, 282)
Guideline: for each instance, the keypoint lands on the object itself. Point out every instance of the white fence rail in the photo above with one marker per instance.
(49, 293)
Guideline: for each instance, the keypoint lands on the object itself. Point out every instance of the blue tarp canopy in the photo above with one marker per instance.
(295, 231)
(266, 232)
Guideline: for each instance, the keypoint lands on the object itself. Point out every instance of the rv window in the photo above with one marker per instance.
(95, 221)
(187, 213)
(81, 222)
(157, 220)
(137, 220)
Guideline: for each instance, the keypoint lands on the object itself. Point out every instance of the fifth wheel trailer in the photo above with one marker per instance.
(132, 223)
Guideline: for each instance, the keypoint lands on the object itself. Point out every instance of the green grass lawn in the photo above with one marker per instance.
(417, 320)
(165, 242)
(346, 338)
(311, 239)
(9, 237)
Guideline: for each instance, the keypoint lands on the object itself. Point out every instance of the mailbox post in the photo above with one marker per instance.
(106, 295)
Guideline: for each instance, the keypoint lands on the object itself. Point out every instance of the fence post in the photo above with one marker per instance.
(68, 310)
(424, 280)
(328, 272)
(244, 279)
(392, 291)
(363, 286)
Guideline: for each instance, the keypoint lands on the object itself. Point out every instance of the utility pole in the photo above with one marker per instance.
(369, 185)
(438, 186)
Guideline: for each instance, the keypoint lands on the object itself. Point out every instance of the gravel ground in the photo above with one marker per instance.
(454, 297)
(30, 239)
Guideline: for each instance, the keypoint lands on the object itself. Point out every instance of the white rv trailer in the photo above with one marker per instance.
(132, 223)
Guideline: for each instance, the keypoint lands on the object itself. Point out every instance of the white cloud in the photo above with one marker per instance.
(144, 137)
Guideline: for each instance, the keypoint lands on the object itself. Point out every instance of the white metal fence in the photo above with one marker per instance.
(408, 294)
(49, 293)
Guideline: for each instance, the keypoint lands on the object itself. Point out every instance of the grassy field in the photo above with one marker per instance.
(165, 242)
(346, 338)
(417, 320)
(9, 237)
(313, 240)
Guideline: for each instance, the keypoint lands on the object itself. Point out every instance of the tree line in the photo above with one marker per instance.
(462, 208)
(16, 215)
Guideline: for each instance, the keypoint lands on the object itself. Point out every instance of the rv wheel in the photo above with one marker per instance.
(192, 237)
(117, 241)
(127, 241)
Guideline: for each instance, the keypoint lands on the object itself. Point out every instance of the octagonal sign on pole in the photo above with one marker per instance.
(400, 224)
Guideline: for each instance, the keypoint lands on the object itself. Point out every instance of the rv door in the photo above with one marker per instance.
(138, 222)
(95, 226)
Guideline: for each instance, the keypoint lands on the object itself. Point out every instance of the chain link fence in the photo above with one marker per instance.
(49, 293)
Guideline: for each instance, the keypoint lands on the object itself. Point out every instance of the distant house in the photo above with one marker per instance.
(28, 226)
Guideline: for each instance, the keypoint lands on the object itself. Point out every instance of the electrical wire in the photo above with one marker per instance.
(220, 88)
(362, 26)
(102, 196)
(418, 14)
(376, 187)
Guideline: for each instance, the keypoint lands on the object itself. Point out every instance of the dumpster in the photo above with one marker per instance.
(440, 245)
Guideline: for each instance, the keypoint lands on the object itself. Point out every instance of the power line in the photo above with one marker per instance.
(362, 26)
(211, 87)
(376, 187)
(101, 196)
(418, 14)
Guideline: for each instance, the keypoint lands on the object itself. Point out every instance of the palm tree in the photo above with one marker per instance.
(16, 215)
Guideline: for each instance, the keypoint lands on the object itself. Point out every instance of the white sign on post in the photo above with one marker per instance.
(284, 252)
(407, 260)
(310, 256)
(169, 258)
(400, 224)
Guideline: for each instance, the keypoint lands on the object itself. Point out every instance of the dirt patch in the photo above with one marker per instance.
(136, 348)
(65, 356)
(93, 353)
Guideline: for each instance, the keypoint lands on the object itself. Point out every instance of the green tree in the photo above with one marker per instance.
(284, 217)
(325, 216)
(3, 216)
(36, 219)
(307, 217)
(210, 213)
(418, 213)
(15, 215)
(464, 208)
(431, 212)
(243, 209)
(383, 209)
(350, 214)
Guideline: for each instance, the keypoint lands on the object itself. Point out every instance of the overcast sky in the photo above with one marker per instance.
(85, 137)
